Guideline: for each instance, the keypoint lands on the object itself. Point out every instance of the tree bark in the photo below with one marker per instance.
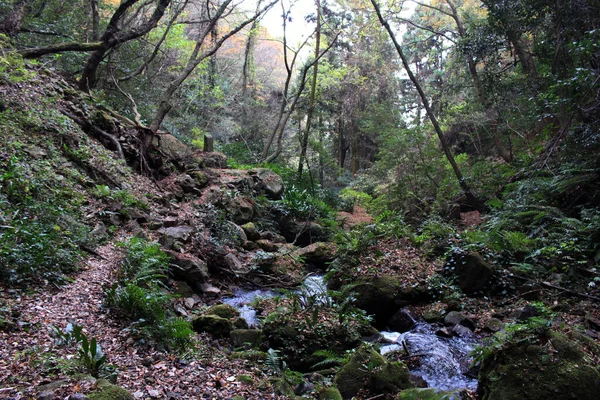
(471, 199)
(313, 93)
(60, 48)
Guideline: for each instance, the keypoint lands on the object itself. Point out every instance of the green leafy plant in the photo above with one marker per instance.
(91, 355)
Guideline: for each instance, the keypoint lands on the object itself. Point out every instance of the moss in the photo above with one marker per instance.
(330, 393)
(248, 379)
(427, 394)
(213, 324)
(111, 392)
(367, 369)
(378, 296)
(521, 370)
(242, 337)
(224, 311)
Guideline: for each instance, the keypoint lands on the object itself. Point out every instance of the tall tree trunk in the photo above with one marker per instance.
(471, 199)
(313, 94)
(95, 20)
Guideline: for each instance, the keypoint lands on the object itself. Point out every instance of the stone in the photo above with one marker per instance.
(213, 160)
(381, 376)
(213, 324)
(242, 209)
(432, 316)
(272, 236)
(330, 393)
(473, 272)
(171, 146)
(444, 332)
(188, 268)
(250, 246)
(189, 184)
(302, 232)
(47, 395)
(527, 312)
(251, 231)
(210, 290)
(233, 263)
(462, 331)
(402, 321)
(110, 392)
(246, 337)
(78, 396)
(224, 311)
(303, 388)
(183, 289)
(189, 302)
(269, 182)
(267, 245)
(494, 325)
(318, 254)
(458, 318)
(169, 222)
(181, 233)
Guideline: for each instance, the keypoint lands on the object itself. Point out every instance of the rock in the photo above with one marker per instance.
(47, 395)
(210, 290)
(200, 177)
(303, 388)
(458, 318)
(251, 231)
(303, 232)
(402, 321)
(250, 246)
(233, 263)
(317, 254)
(224, 311)
(494, 325)
(173, 234)
(78, 396)
(472, 271)
(183, 289)
(418, 381)
(188, 268)
(214, 160)
(242, 209)
(269, 182)
(171, 146)
(272, 236)
(238, 234)
(432, 316)
(246, 337)
(444, 332)
(378, 296)
(367, 369)
(267, 245)
(526, 370)
(189, 302)
(462, 331)
(111, 392)
(330, 393)
(527, 312)
(169, 222)
(213, 324)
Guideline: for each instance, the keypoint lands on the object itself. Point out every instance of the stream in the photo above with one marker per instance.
(442, 362)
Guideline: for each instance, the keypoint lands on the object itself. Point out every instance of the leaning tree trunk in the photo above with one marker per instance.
(470, 197)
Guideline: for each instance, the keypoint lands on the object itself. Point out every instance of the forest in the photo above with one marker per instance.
(299, 199)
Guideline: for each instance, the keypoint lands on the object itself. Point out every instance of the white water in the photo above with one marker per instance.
(241, 300)
(443, 361)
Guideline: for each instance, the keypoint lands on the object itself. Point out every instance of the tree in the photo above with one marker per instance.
(471, 199)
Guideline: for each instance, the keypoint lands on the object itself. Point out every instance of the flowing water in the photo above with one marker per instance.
(443, 361)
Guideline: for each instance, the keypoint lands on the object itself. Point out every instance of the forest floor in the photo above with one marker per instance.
(31, 362)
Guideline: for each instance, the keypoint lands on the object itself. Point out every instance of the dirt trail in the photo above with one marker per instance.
(29, 358)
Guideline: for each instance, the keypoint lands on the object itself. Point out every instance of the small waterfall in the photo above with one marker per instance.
(241, 300)
(443, 361)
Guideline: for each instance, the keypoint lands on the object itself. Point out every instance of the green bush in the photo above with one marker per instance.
(140, 294)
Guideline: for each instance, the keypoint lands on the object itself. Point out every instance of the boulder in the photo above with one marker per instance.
(402, 321)
(224, 311)
(267, 245)
(553, 367)
(458, 318)
(378, 296)
(213, 160)
(428, 394)
(213, 324)
(242, 209)
(272, 236)
(210, 290)
(317, 254)
(472, 271)
(269, 182)
(175, 234)
(171, 146)
(251, 232)
(329, 393)
(188, 268)
(367, 369)
(302, 232)
(246, 337)
(494, 325)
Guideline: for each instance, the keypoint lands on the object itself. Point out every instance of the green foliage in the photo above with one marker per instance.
(12, 67)
(302, 204)
(140, 294)
(89, 352)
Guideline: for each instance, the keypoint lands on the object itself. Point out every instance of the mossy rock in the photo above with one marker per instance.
(329, 393)
(213, 324)
(428, 394)
(111, 392)
(556, 366)
(367, 369)
(379, 296)
(243, 337)
(224, 311)
(281, 387)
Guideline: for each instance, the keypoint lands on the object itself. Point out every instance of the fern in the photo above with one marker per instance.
(275, 362)
(331, 359)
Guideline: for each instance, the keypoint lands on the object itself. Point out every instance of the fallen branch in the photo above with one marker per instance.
(554, 287)
(85, 125)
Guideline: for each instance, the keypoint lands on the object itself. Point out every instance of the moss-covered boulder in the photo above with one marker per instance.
(369, 370)
(551, 365)
(246, 337)
(329, 393)
(379, 296)
(110, 392)
(428, 394)
(226, 311)
(213, 324)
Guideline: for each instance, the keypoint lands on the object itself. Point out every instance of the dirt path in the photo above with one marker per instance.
(29, 358)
